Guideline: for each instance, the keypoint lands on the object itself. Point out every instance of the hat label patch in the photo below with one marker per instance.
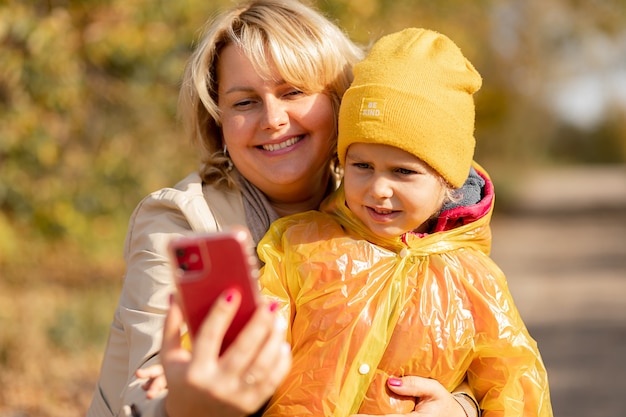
(372, 108)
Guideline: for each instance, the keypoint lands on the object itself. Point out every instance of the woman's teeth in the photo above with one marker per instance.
(276, 146)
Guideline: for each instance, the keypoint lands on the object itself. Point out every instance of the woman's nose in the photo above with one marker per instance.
(275, 114)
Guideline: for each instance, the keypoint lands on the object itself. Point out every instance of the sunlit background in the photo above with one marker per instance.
(88, 93)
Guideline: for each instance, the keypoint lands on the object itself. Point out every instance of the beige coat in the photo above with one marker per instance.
(143, 303)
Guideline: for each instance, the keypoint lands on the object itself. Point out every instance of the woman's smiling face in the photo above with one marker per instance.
(390, 190)
(278, 137)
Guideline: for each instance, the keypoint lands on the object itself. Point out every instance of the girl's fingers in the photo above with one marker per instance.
(151, 371)
(157, 385)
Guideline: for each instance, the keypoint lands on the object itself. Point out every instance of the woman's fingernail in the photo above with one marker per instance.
(395, 382)
(171, 299)
(230, 294)
(274, 306)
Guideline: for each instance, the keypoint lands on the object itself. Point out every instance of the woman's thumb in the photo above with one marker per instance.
(416, 386)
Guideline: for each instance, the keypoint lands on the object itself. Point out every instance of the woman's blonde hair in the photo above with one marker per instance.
(308, 51)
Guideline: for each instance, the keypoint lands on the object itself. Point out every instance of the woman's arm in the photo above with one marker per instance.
(135, 334)
(464, 395)
(433, 399)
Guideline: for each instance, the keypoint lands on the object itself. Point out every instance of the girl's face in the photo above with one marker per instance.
(278, 137)
(390, 190)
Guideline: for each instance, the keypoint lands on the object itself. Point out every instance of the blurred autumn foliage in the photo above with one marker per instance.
(88, 92)
(87, 96)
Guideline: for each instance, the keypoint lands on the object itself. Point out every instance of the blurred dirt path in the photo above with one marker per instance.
(563, 250)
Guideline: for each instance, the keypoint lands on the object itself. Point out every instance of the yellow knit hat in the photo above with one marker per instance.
(414, 91)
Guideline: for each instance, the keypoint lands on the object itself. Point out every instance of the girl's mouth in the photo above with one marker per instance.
(381, 211)
(382, 215)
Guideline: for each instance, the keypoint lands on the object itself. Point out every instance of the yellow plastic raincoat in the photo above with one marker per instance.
(362, 310)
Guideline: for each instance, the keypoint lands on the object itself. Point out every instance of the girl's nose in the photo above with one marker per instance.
(381, 187)
(275, 114)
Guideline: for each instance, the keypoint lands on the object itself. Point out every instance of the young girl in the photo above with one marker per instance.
(392, 276)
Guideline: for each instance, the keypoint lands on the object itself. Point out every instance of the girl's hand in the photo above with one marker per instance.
(239, 382)
(155, 383)
(433, 399)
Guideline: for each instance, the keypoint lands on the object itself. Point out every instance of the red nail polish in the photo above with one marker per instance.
(230, 294)
(395, 382)
(274, 306)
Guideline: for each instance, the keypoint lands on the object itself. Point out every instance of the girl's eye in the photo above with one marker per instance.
(405, 171)
(361, 165)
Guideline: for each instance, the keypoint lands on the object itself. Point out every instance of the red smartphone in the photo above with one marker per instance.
(206, 265)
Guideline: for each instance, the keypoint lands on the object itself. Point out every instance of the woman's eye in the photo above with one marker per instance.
(243, 103)
(294, 93)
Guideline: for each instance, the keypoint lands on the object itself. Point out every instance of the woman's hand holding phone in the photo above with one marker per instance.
(237, 383)
(239, 355)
